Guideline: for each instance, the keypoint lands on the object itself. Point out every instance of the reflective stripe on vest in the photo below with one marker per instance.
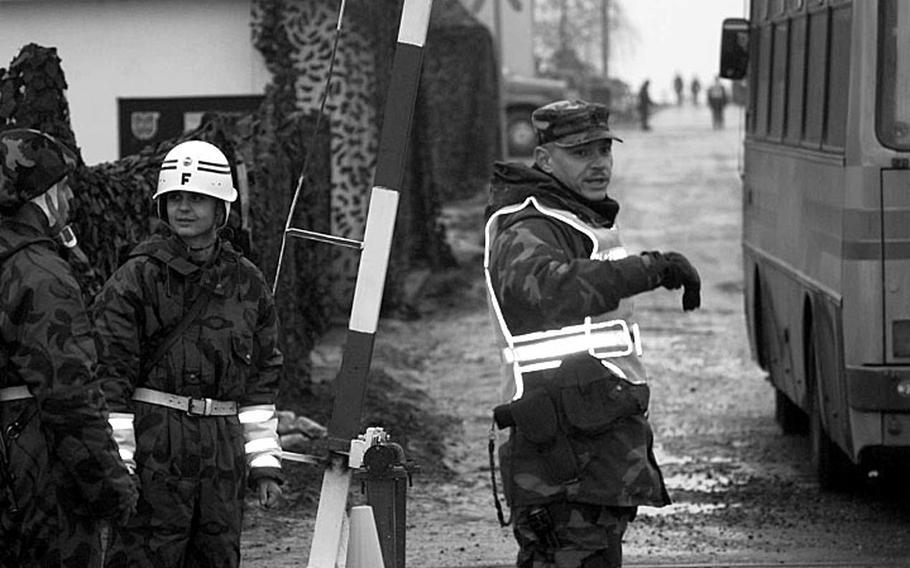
(614, 338)
(608, 337)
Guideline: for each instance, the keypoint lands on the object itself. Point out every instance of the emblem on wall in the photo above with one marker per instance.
(144, 124)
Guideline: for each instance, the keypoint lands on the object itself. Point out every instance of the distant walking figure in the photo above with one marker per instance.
(678, 86)
(695, 87)
(644, 104)
(717, 100)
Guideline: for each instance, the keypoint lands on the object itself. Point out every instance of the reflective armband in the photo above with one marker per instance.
(260, 433)
(125, 437)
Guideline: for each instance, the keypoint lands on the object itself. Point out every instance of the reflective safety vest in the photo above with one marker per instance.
(612, 337)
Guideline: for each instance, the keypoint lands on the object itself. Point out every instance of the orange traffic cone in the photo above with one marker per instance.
(363, 543)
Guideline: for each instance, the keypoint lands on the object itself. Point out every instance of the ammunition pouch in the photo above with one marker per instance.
(566, 429)
(593, 407)
(538, 449)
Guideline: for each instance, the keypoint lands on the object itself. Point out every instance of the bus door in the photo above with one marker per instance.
(893, 130)
(896, 271)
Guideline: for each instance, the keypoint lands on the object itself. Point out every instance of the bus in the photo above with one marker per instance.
(826, 222)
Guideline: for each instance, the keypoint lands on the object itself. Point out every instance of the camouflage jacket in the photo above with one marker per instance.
(541, 268)
(580, 431)
(47, 345)
(229, 353)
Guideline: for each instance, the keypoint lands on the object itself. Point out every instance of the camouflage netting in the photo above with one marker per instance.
(453, 145)
(455, 136)
(455, 125)
(112, 209)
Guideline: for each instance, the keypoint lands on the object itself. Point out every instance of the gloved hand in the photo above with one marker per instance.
(269, 493)
(673, 270)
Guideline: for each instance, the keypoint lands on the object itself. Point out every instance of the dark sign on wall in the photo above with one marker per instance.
(144, 122)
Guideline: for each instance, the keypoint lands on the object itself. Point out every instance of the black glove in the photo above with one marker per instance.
(672, 271)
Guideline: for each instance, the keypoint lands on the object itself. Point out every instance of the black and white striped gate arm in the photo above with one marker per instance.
(350, 384)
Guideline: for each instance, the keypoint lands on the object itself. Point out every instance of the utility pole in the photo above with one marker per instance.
(605, 37)
(499, 53)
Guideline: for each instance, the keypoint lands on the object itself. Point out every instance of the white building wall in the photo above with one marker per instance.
(135, 48)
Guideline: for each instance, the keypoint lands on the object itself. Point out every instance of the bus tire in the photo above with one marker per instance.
(790, 417)
(834, 470)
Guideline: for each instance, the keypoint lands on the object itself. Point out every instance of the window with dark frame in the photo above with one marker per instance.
(838, 77)
(756, 15)
(778, 111)
(763, 83)
(796, 80)
(816, 79)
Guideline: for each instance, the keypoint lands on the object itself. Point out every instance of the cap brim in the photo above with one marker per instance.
(585, 137)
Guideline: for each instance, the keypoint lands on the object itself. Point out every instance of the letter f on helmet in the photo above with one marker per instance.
(198, 167)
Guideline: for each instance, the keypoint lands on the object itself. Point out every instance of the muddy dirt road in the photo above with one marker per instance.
(743, 492)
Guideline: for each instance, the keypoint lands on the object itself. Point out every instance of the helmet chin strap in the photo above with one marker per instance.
(48, 202)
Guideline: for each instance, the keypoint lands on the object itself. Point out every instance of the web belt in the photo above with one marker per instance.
(191, 405)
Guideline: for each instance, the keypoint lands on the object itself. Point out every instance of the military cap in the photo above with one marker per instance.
(31, 162)
(572, 123)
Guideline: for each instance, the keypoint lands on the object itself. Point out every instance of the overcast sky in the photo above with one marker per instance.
(671, 36)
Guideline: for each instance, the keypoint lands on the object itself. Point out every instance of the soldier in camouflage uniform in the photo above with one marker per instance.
(61, 479)
(190, 360)
(579, 458)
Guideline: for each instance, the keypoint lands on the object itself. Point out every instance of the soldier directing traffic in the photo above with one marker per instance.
(190, 364)
(579, 458)
(61, 478)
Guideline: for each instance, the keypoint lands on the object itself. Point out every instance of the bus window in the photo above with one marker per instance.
(838, 76)
(764, 79)
(778, 82)
(796, 74)
(893, 113)
(815, 87)
(759, 11)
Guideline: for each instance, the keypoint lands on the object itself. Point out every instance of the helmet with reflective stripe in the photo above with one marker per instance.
(198, 167)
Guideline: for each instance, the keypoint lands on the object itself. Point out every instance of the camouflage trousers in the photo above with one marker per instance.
(50, 538)
(570, 535)
(41, 532)
(192, 475)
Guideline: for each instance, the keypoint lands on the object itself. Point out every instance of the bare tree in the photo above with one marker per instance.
(572, 37)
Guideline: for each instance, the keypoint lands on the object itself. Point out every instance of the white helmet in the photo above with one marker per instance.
(198, 167)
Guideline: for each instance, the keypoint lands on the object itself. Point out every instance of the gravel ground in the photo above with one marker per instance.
(742, 491)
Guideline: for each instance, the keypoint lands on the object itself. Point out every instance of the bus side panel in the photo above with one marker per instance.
(792, 229)
(862, 268)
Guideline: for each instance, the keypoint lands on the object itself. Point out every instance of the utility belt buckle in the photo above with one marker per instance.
(198, 406)
(607, 352)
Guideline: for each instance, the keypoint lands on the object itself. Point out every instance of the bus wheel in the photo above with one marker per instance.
(789, 416)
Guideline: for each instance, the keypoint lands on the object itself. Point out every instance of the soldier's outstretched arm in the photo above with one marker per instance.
(538, 268)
